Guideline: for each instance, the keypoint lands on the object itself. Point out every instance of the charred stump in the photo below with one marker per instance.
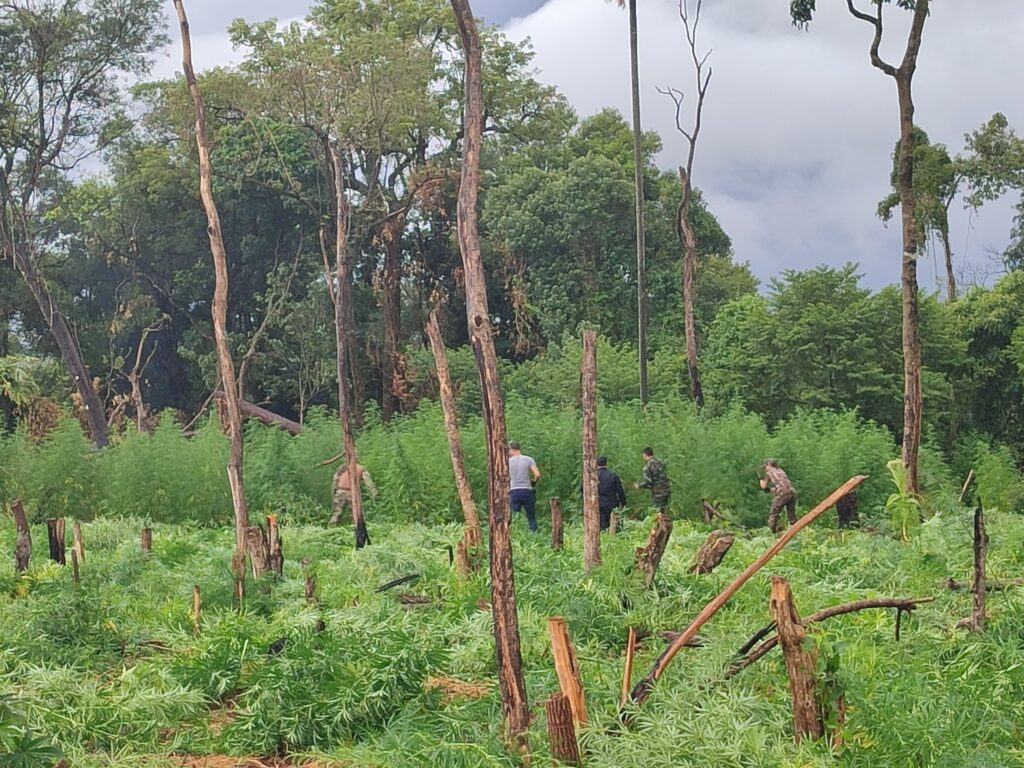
(55, 533)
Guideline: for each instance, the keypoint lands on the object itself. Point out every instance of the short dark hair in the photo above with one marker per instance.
(602, 461)
(770, 463)
(513, 445)
(648, 451)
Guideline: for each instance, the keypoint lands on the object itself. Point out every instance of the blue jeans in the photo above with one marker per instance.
(524, 498)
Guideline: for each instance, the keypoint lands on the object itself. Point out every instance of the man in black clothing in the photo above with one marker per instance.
(610, 493)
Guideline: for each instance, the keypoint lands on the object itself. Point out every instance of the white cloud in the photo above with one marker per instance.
(795, 151)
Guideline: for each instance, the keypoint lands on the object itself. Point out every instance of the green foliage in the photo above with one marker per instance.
(904, 507)
(999, 484)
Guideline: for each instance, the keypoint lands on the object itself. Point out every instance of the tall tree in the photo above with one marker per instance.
(801, 12)
(225, 364)
(60, 66)
(684, 226)
(503, 593)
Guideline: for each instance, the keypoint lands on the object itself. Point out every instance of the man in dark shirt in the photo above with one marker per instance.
(610, 493)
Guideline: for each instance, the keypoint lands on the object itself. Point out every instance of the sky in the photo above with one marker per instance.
(798, 128)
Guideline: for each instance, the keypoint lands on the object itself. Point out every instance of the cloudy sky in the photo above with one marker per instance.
(798, 127)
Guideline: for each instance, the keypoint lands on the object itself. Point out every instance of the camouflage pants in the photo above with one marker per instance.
(785, 499)
(342, 500)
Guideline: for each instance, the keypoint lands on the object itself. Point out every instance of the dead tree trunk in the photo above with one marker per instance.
(274, 547)
(638, 193)
(978, 586)
(55, 532)
(75, 575)
(391, 306)
(950, 277)
(649, 556)
(78, 546)
(451, 425)
(801, 663)
(146, 539)
(557, 523)
(561, 732)
(343, 277)
(23, 545)
(503, 596)
(711, 552)
(258, 548)
(591, 513)
(225, 365)
(567, 667)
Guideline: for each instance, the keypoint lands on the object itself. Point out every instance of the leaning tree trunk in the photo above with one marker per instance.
(391, 304)
(503, 595)
(638, 193)
(591, 512)
(341, 268)
(70, 352)
(451, 425)
(950, 277)
(225, 365)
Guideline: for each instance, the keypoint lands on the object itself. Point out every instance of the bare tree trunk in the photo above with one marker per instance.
(451, 425)
(259, 550)
(561, 731)
(341, 269)
(146, 541)
(225, 365)
(503, 596)
(689, 270)
(801, 663)
(78, 546)
(978, 585)
(638, 193)
(950, 277)
(591, 513)
(70, 351)
(557, 524)
(23, 545)
(391, 305)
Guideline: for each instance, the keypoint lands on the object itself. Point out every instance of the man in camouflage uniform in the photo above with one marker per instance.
(343, 489)
(777, 482)
(655, 480)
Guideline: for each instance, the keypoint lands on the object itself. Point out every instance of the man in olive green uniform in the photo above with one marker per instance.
(655, 480)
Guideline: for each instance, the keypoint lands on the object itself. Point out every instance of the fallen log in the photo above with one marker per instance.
(993, 585)
(271, 419)
(646, 684)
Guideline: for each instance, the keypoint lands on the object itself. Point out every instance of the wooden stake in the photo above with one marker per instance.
(567, 667)
(147, 539)
(197, 609)
(643, 688)
(712, 551)
(561, 733)
(78, 547)
(627, 673)
(588, 396)
(557, 525)
(74, 566)
(649, 556)
(55, 532)
(801, 663)
(23, 545)
(978, 586)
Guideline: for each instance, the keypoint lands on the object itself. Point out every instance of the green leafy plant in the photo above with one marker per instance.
(904, 508)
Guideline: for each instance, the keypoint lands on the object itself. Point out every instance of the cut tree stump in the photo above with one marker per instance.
(712, 551)
(561, 733)
(258, 547)
(567, 667)
(846, 510)
(649, 556)
(146, 539)
(557, 524)
(197, 609)
(23, 544)
(55, 533)
(78, 547)
(75, 576)
(801, 663)
(613, 523)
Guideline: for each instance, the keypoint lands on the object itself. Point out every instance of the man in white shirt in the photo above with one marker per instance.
(523, 475)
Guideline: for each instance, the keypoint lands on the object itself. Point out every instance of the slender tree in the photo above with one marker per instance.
(225, 365)
(684, 226)
(503, 594)
(801, 12)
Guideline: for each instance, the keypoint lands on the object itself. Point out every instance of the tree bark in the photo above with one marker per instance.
(627, 672)
(978, 585)
(950, 276)
(503, 596)
(391, 304)
(451, 425)
(258, 549)
(23, 545)
(801, 663)
(557, 523)
(341, 269)
(689, 242)
(561, 732)
(274, 546)
(225, 365)
(712, 551)
(271, 419)
(638, 193)
(591, 513)
(567, 667)
(146, 539)
(78, 546)
(55, 533)
(75, 575)
(649, 556)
